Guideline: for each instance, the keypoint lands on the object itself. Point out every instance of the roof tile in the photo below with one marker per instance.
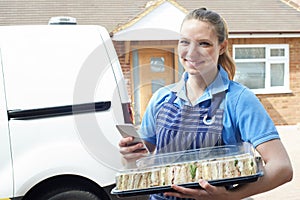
(241, 15)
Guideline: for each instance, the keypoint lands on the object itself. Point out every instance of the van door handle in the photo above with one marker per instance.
(57, 111)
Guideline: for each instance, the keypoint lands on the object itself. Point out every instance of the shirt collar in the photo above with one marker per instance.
(179, 87)
(220, 84)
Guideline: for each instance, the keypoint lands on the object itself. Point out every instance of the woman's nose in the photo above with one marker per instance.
(192, 50)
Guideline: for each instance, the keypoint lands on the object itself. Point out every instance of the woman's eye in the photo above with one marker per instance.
(204, 44)
(184, 42)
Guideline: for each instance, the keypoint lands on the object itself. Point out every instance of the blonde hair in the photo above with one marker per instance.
(220, 26)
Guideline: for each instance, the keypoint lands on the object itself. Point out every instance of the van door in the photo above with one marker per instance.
(62, 99)
(6, 174)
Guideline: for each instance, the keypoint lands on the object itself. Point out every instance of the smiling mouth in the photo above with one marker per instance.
(193, 63)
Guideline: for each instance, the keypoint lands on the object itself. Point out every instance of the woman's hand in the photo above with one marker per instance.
(131, 152)
(207, 192)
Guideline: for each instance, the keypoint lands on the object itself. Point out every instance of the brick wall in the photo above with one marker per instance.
(284, 109)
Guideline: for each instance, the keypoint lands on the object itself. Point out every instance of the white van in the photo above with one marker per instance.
(62, 92)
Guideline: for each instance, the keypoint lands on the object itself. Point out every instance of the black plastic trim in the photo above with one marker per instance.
(16, 198)
(58, 111)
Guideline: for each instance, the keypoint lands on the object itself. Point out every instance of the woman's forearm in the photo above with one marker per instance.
(277, 171)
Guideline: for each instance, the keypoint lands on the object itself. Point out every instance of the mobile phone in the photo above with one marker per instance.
(128, 130)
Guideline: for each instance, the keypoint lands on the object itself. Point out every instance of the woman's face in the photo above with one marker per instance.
(199, 49)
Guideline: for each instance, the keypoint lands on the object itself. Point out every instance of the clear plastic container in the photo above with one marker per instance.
(221, 165)
(209, 153)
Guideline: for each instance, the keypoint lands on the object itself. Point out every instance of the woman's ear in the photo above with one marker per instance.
(223, 47)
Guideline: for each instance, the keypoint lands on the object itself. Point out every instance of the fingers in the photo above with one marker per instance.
(206, 186)
(131, 152)
(207, 191)
(136, 148)
(125, 141)
(133, 156)
(183, 192)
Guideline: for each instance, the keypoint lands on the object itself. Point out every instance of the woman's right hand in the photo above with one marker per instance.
(132, 152)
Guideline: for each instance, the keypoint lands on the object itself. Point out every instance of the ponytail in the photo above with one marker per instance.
(226, 61)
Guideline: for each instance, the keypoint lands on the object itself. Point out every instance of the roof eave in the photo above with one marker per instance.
(265, 34)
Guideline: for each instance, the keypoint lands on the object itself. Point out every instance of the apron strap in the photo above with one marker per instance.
(173, 97)
(215, 103)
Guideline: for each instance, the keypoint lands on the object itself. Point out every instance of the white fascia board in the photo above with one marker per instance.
(163, 23)
(264, 35)
(147, 35)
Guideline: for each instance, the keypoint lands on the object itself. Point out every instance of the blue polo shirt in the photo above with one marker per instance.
(244, 120)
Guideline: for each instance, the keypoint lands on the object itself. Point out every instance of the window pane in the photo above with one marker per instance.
(251, 74)
(156, 84)
(157, 64)
(277, 52)
(277, 74)
(250, 53)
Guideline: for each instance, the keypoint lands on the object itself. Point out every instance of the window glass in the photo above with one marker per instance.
(250, 53)
(277, 74)
(251, 74)
(277, 52)
(157, 64)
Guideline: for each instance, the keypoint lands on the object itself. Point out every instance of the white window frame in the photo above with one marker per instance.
(269, 60)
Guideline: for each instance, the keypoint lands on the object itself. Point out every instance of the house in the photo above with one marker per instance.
(264, 39)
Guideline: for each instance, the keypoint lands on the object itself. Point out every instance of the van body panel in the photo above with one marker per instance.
(41, 150)
(6, 173)
(44, 75)
(116, 65)
(49, 69)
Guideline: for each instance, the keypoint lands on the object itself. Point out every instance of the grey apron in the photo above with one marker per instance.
(180, 129)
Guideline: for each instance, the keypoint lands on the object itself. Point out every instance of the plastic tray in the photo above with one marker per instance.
(222, 182)
(211, 153)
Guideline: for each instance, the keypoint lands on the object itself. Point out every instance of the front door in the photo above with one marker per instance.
(155, 69)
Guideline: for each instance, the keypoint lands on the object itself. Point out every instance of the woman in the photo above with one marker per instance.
(206, 108)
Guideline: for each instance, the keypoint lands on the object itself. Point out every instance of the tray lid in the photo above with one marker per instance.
(208, 153)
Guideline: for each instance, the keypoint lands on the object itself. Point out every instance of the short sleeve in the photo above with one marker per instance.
(254, 123)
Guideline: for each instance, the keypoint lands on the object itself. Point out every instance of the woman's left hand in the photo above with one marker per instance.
(207, 192)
